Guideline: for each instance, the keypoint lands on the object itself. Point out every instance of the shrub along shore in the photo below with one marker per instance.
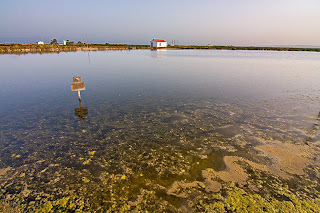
(54, 48)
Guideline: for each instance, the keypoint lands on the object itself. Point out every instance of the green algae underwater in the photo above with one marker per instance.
(165, 131)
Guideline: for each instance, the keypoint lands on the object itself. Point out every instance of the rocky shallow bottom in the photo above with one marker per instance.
(210, 154)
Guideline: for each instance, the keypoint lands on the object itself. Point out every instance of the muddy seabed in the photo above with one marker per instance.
(179, 155)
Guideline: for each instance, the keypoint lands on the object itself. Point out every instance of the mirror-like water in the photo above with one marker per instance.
(176, 130)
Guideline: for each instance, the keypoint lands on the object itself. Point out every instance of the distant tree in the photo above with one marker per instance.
(79, 42)
(70, 43)
(54, 41)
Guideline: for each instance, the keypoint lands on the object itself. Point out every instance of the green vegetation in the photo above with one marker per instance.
(54, 41)
(246, 48)
(238, 200)
(8, 207)
(70, 47)
(34, 48)
(69, 43)
(234, 200)
(79, 46)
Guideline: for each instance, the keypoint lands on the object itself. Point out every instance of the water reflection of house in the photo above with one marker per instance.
(158, 53)
(158, 43)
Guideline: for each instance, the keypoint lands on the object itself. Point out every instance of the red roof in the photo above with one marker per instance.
(159, 40)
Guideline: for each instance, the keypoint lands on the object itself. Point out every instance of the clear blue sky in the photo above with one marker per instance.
(225, 22)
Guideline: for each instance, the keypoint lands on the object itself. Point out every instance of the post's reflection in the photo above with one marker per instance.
(81, 112)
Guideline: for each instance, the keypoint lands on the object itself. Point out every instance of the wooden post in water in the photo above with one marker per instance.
(79, 95)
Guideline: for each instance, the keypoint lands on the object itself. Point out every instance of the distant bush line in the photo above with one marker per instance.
(248, 48)
(72, 47)
(56, 48)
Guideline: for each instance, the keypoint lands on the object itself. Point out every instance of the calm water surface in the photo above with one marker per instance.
(175, 130)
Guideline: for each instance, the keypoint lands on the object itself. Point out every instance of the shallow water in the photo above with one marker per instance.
(165, 130)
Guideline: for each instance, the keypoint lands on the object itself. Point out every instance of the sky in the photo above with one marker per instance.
(189, 22)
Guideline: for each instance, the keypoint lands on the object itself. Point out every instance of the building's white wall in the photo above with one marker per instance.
(40, 42)
(162, 44)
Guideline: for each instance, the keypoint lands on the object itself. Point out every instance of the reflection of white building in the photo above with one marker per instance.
(158, 53)
(40, 42)
(158, 43)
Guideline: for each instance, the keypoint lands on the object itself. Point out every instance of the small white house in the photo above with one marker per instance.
(64, 42)
(158, 43)
(40, 42)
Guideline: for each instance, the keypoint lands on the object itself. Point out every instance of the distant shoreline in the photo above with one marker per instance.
(48, 48)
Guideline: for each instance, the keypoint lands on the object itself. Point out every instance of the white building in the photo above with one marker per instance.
(40, 42)
(158, 43)
(64, 42)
